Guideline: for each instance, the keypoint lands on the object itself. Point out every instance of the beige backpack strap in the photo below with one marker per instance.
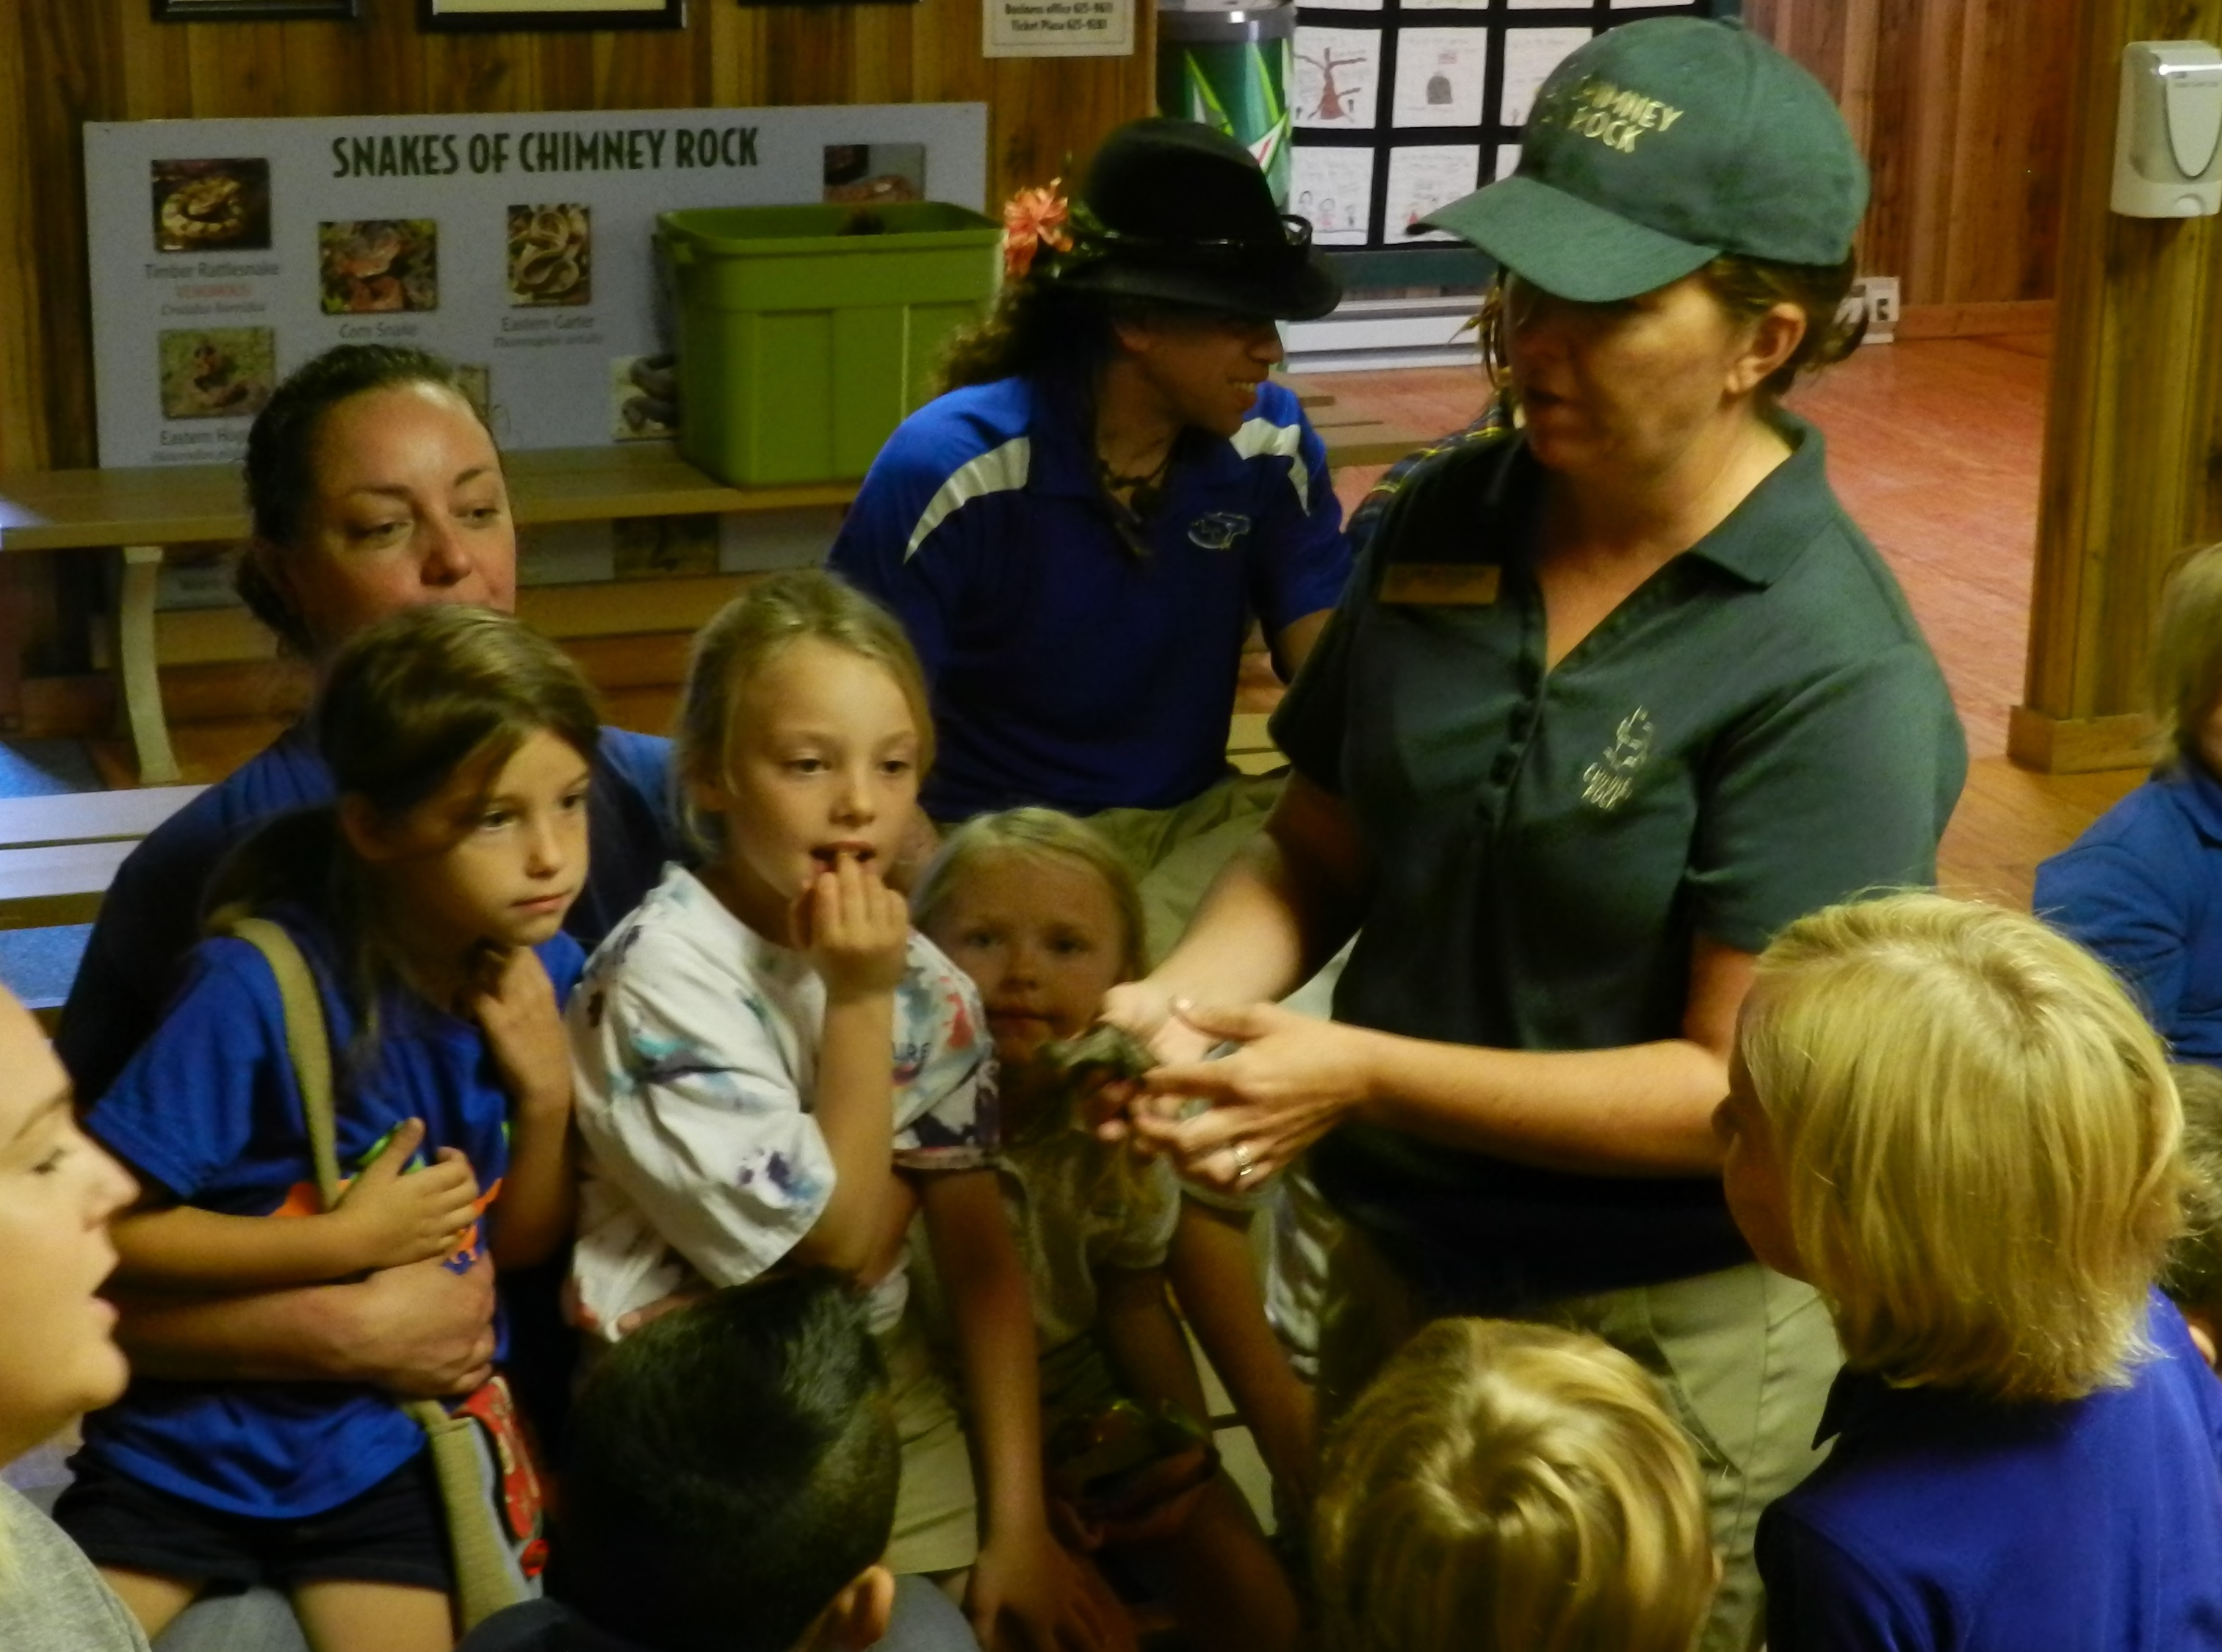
(308, 1043)
(483, 1586)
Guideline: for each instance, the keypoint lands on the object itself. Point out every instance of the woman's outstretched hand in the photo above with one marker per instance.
(1293, 1079)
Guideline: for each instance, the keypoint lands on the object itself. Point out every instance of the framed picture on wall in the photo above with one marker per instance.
(216, 11)
(523, 15)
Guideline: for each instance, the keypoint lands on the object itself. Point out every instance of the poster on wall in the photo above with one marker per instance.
(1058, 28)
(1440, 76)
(1338, 70)
(1424, 177)
(1333, 188)
(1530, 57)
(225, 254)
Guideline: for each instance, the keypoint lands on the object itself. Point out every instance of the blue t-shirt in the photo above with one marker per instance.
(1068, 666)
(1944, 1524)
(210, 1109)
(152, 914)
(2142, 889)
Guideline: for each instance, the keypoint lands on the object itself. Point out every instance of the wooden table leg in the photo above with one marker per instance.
(135, 649)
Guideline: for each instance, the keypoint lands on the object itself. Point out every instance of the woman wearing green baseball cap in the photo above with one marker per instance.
(1614, 695)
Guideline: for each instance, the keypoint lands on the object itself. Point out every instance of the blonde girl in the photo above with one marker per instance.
(1043, 915)
(776, 1070)
(1511, 1487)
(1954, 1123)
(429, 902)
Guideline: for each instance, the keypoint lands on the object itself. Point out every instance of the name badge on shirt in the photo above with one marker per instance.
(1442, 585)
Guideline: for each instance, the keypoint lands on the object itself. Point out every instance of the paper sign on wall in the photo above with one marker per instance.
(1338, 72)
(225, 254)
(1530, 54)
(1422, 178)
(1335, 189)
(1059, 29)
(1440, 76)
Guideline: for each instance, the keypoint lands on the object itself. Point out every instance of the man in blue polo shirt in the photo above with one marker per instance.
(1079, 533)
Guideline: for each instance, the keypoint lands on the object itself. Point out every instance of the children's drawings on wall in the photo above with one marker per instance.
(1422, 178)
(1440, 76)
(1403, 106)
(1335, 189)
(1338, 76)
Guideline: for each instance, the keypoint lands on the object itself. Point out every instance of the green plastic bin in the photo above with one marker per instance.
(800, 349)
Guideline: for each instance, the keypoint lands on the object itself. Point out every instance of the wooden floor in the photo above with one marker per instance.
(1934, 448)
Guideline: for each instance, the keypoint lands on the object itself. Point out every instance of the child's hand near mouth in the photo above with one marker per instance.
(854, 929)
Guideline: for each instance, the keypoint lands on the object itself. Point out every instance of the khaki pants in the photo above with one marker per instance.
(1745, 1357)
(1176, 853)
(936, 1519)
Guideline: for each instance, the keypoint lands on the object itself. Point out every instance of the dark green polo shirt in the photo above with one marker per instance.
(1759, 731)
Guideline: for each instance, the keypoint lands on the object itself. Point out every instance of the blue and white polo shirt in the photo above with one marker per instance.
(1067, 668)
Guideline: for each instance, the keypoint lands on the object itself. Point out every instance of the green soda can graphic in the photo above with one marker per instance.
(1227, 67)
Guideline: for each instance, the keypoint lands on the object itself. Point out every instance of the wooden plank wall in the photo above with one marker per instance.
(1961, 106)
(2132, 474)
(64, 62)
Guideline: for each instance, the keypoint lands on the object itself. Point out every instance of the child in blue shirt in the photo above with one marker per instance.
(429, 902)
(1954, 1123)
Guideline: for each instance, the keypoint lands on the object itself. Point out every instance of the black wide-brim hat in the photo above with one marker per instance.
(1174, 211)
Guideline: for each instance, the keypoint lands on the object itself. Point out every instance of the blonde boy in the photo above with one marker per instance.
(1511, 1487)
(1955, 1124)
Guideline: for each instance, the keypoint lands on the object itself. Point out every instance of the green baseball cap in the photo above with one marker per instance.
(1656, 147)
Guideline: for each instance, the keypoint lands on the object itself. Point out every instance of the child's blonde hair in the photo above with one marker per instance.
(1978, 1137)
(2186, 651)
(1042, 834)
(2192, 1272)
(750, 632)
(1506, 1487)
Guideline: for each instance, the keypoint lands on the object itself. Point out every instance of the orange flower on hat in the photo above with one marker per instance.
(1032, 219)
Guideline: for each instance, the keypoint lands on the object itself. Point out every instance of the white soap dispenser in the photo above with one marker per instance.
(2167, 136)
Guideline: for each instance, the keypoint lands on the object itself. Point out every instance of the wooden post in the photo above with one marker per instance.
(2133, 451)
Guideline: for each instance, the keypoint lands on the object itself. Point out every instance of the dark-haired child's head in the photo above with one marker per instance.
(460, 742)
(731, 1483)
(2192, 1275)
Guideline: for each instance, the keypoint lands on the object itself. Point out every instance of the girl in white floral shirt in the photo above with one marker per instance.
(775, 1068)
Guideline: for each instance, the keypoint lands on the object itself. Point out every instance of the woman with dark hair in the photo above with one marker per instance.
(1614, 696)
(374, 486)
(1079, 532)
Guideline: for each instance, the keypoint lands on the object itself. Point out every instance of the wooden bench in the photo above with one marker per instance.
(58, 854)
(133, 514)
